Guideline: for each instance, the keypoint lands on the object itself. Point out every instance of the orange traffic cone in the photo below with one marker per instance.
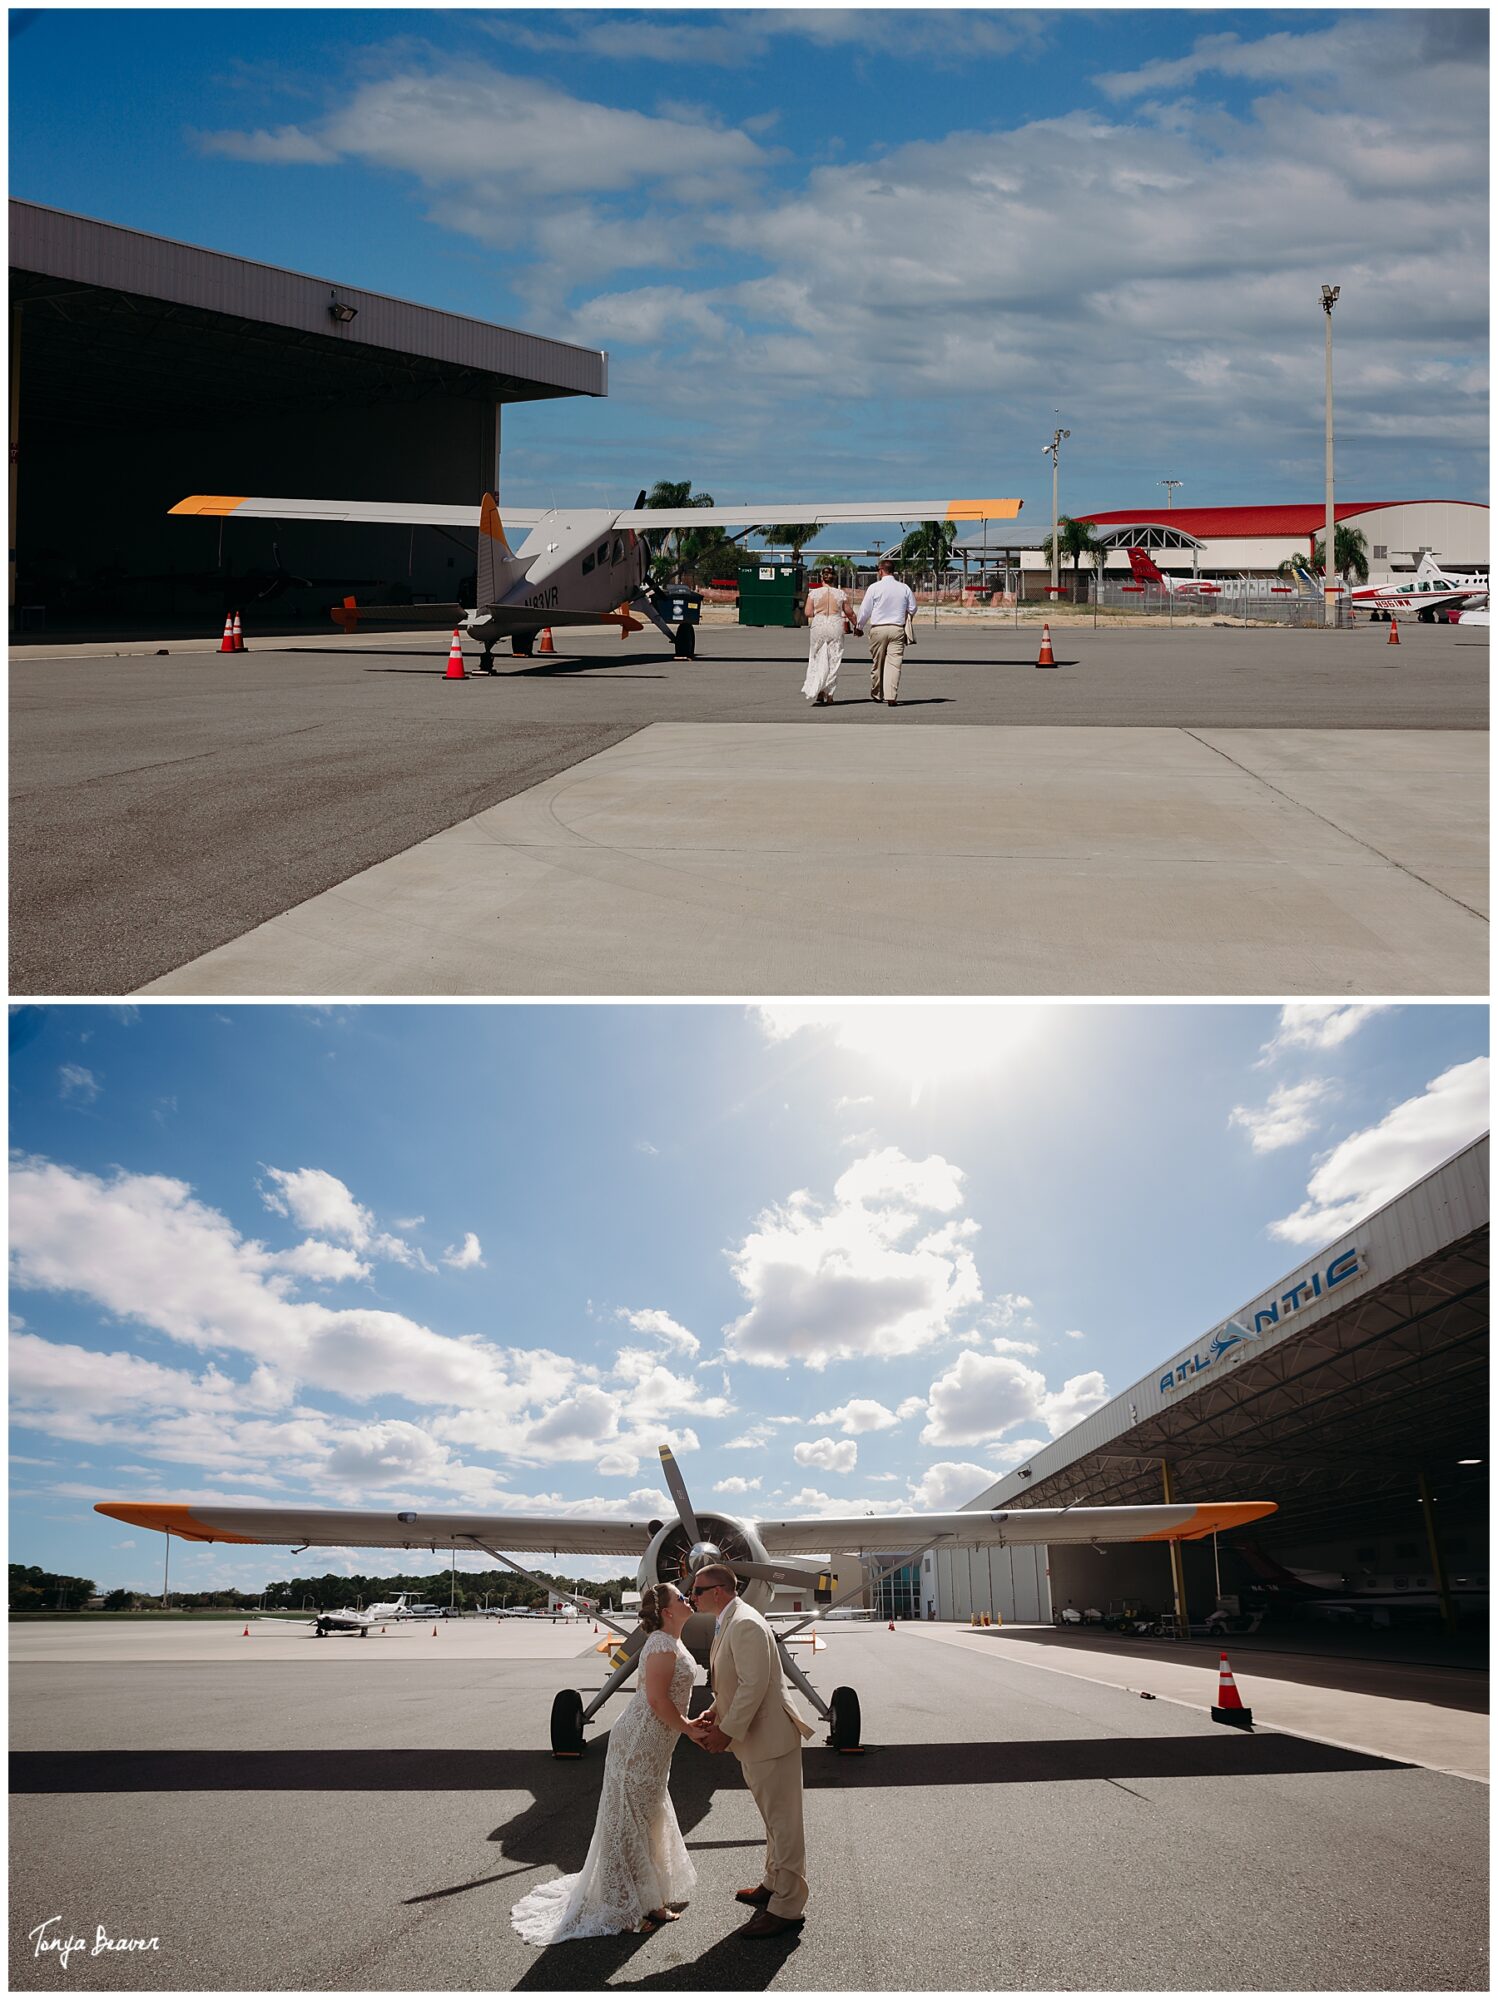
(546, 646)
(226, 644)
(1047, 657)
(434, 1631)
(1229, 1707)
(1393, 630)
(455, 660)
(239, 645)
(892, 1624)
(245, 1633)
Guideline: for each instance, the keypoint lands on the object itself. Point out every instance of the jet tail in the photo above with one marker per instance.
(1144, 568)
(499, 568)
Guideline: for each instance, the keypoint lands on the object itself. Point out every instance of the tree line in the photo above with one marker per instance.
(34, 1589)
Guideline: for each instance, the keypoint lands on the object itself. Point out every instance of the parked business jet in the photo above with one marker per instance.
(576, 566)
(1147, 572)
(672, 1551)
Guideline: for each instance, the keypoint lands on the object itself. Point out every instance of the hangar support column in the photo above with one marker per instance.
(1177, 1569)
(1448, 1615)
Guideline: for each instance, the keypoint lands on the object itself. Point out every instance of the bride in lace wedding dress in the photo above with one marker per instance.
(637, 1865)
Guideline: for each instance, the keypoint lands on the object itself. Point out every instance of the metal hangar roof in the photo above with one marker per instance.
(1366, 1365)
(120, 327)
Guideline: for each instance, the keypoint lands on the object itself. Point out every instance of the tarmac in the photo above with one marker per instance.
(1192, 811)
(282, 1814)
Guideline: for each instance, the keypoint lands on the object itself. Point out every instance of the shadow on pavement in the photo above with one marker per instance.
(694, 1778)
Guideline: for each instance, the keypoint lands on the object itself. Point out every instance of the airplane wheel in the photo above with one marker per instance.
(1427, 618)
(567, 1724)
(847, 1723)
(363, 1631)
(686, 642)
(522, 643)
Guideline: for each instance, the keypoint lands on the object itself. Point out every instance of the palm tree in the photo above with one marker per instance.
(1352, 554)
(793, 535)
(676, 494)
(1075, 539)
(931, 543)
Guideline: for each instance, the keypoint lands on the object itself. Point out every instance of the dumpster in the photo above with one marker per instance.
(771, 593)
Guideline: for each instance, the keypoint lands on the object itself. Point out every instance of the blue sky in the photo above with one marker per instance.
(486, 1258)
(851, 250)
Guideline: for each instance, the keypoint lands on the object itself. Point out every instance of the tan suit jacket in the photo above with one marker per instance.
(754, 1711)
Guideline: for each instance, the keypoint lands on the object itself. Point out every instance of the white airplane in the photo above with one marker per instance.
(672, 1551)
(1435, 593)
(576, 566)
(402, 1607)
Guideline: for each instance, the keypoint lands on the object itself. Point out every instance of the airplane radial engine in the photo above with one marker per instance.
(674, 1557)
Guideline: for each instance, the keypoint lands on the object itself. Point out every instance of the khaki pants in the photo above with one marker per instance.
(886, 657)
(776, 1786)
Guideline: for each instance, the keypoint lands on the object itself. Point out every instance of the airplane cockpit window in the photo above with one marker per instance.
(618, 548)
(587, 565)
(602, 551)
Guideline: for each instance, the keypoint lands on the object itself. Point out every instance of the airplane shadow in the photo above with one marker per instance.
(696, 1776)
(589, 1965)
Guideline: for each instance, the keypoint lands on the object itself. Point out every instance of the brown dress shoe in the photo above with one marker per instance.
(766, 1925)
(758, 1897)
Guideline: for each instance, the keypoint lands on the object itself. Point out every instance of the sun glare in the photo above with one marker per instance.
(924, 1046)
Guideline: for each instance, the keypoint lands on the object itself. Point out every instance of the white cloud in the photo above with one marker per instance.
(77, 1085)
(981, 1395)
(320, 1202)
(469, 1258)
(827, 1455)
(1286, 1119)
(1074, 1333)
(652, 1389)
(753, 1439)
(736, 1485)
(1315, 1024)
(1005, 1309)
(1014, 1451)
(617, 1465)
(948, 1485)
(911, 1407)
(661, 1324)
(859, 1414)
(326, 1263)
(1372, 1166)
(1005, 1346)
(845, 1280)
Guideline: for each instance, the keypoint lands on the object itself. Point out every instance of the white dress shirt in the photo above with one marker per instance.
(886, 602)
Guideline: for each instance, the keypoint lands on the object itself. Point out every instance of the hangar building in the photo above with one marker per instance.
(144, 370)
(1252, 541)
(1353, 1393)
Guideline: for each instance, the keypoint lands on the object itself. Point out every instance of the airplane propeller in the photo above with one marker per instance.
(705, 1551)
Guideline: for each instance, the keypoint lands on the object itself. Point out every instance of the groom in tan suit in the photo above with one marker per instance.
(752, 1716)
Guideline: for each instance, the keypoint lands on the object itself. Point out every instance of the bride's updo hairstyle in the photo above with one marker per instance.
(652, 1602)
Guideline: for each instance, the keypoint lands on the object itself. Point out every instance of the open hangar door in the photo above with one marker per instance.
(145, 370)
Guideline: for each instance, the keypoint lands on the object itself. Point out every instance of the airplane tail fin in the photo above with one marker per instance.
(499, 568)
(1144, 568)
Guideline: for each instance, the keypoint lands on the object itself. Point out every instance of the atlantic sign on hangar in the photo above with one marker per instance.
(1336, 1392)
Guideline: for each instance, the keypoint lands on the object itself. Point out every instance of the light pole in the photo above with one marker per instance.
(1329, 296)
(1170, 486)
(1053, 451)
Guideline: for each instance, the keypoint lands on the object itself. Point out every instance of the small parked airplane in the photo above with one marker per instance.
(1434, 594)
(576, 566)
(671, 1551)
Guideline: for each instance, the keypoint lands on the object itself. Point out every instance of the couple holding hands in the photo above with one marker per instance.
(887, 615)
(637, 1869)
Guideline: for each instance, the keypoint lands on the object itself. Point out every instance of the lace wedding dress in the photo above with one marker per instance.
(825, 607)
(638, 1860)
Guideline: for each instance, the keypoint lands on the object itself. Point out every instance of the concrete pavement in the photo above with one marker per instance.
(772, 858)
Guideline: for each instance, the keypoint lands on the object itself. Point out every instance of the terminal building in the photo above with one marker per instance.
(144, 370)
(1353, 1393)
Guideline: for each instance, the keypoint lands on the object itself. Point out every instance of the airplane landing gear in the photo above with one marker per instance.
(523, 644)
(567, 1724)
(846, 1722)
(486, 664)
(685, 642)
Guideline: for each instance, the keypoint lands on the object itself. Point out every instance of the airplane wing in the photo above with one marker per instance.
(322, 1527)
(419, 514)
(888, 1533)
(756, 513)
(401, 513)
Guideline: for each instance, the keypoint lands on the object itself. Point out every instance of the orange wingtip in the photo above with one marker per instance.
(167, 1517)
(489, 521)
(983, 510)
(209, 503)
(1215, 1520)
